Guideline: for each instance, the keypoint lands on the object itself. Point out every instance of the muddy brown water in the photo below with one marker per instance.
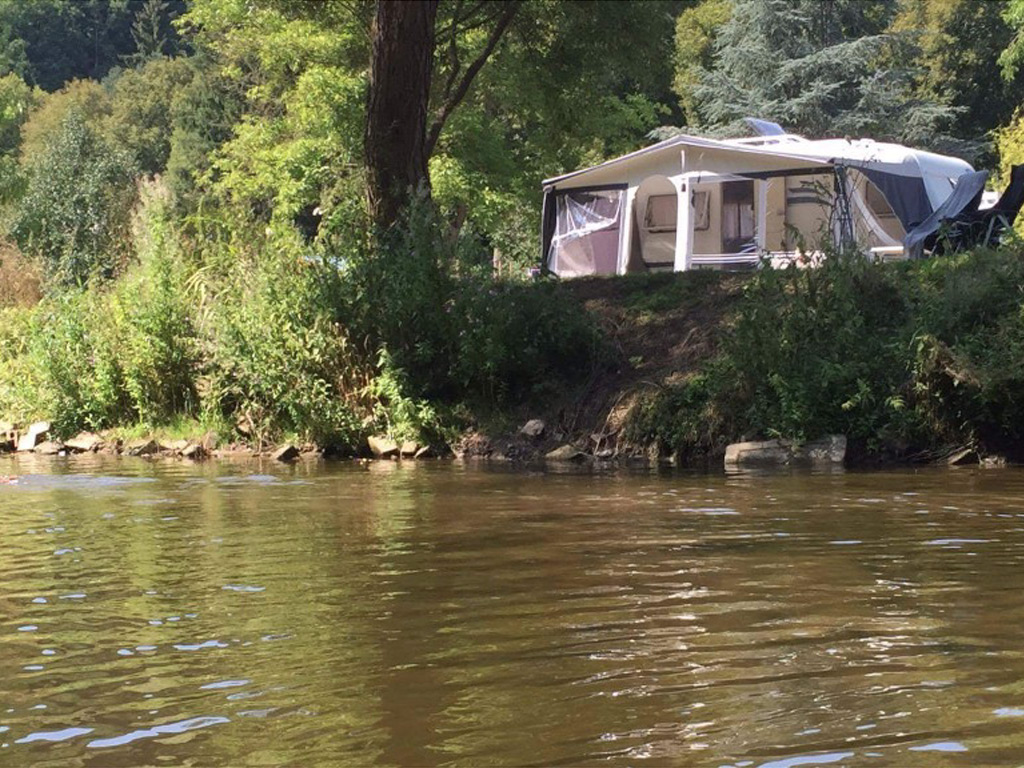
(336, 615)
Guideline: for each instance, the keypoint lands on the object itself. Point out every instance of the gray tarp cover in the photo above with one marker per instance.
(968, 187)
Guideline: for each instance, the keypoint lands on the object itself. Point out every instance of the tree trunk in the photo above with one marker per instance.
(396, 119)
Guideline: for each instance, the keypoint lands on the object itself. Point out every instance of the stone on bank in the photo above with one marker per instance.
(36, 434)
(830, 450)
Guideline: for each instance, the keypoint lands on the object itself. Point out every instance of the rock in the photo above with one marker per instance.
(963, 458)
(566, 453)
(48, 448)
(409, 448)
(193, 451)
(776, 453)
(424, 453)
(993, 461)
(827, 450)
(210, 441)
(287, 452)
(382, 447)
(757, 452)
(534, 428)
(35, 435)
(141, 447)
(84, 442)
(605, 453)
(174, 446)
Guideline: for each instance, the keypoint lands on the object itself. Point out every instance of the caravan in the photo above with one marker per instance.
(690, 202)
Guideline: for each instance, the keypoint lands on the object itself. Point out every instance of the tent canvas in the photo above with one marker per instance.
(760, 197)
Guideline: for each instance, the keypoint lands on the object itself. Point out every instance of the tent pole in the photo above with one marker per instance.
(626, 230)
(684, 223)
(760, 231)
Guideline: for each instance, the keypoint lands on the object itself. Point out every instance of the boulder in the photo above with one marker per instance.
(287, 452)
(409, 448)
(778, 453)
(84, 442)
(36, 434)
(424, 453)
(566, 453)
(174, 446)
(193, 451)
(382, 447)
(534, 428)
(141, 447)
(48, 448)
(762, 452)
(826, 450)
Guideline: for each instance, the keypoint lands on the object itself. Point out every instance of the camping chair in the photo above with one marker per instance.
(987, 227)
(969, 227)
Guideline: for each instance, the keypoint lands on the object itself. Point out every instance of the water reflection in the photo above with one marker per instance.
(336, 615)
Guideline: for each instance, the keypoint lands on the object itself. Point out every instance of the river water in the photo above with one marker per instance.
(162, 613)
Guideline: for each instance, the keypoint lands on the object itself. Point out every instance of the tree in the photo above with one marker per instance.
(396, 116)
(74, 215)
(61, 40)
(960, 43)
(398, 141)
(824, 69)
(1012, 56)
(696, 31)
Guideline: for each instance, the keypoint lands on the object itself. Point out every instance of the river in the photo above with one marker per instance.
(338, 614)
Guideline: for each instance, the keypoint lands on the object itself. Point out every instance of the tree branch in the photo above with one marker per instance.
(455, 97)
(453, 53)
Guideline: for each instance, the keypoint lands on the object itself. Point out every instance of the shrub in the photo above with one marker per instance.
(820, 350)
(116, 354)
(455, 332)
(279, 361)
(75, 213)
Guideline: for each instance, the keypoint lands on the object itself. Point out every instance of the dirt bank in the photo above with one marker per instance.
(660, 328)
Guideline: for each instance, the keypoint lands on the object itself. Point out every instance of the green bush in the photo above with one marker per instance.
(820, 350)
(279, 361)
(75, 213)
(456, 333)
(902, 358)
(123, 355)
(516, 340)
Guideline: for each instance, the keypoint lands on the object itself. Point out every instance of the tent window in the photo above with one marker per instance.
(586, 236)
(878, 204)
(661, 213)
(737, 216)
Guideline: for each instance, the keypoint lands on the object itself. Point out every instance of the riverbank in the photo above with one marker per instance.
(912, 362)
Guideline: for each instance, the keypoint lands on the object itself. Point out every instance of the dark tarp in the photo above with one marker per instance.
(906, 195)
(966, 197)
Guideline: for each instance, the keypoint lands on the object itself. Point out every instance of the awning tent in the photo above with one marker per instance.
(597, 220)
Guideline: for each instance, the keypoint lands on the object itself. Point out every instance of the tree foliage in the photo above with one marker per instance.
(823, 69)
